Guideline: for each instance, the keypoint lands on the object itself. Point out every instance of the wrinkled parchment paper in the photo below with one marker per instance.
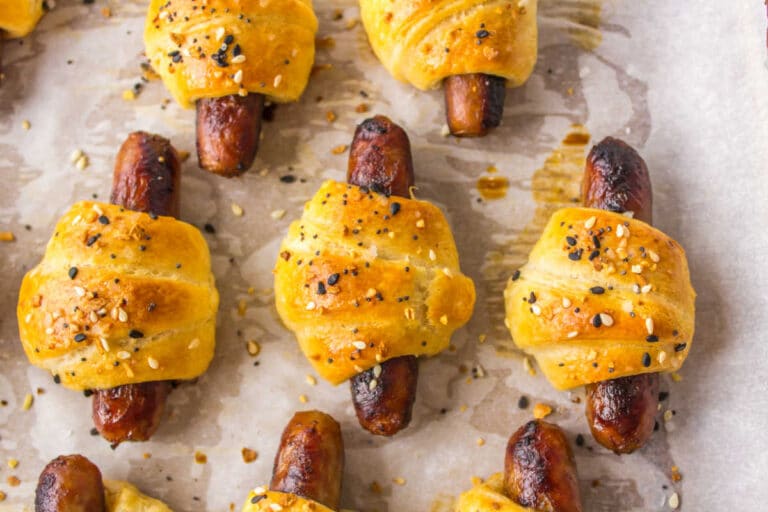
(685, 84)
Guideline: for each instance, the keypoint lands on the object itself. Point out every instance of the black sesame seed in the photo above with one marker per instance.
(133, 333)
(663, 395)
(482, 34)
(523, 402)
(229, 39)
(531, 298)
(571, 241)
(593, 255)
(104, 220)
(575, 255)
(333, 279)
(516, 275)
(288, 178)
(597, 290)
(579, 440)
(651, 338)
(674, 333)
(80, 337)
(646, 359)
(596, 242)
(72, 272)
(321, 288)
(87, 392)
(596, 321)
(209, 228)
(94, 431)
(57, 379)
(394, 208)
(92, 240)
(680, 347)
(151, 306)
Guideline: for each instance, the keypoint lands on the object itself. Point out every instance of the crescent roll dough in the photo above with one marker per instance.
(120, 297)
(602, 296)
(424, 41)
(19, 17)
(363, 278)
(222, 47)
(124, 497)
(262, 500)
(488, 496)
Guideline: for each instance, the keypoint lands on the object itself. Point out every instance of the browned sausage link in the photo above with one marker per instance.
(473, 103)
(70, 483)
(147, 178)
(539, 469)
(228, 130)
(380, 159)
(384, 408)
(310, 459)
(620, 412)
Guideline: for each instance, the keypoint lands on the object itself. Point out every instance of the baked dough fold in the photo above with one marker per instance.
(424, 41)
(222, 47)
(19, 17)
(120, 297)
(488, 496)
(602, 296)
(362, 278)
(262, 500)
(124, 497)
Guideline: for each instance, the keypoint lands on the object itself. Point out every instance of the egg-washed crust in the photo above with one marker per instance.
(124, 497)
(488, 496)
(363, 278)
(19, 17)
(602, 296)
(120, 297)
(424, 41)
(263, 500)
(222, 47)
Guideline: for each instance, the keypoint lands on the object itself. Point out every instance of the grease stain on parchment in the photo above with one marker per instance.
(579, 19)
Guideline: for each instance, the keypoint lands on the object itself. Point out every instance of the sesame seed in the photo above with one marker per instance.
(253, 348)
(123, 354)
(377, 371)
(647, 288)
(310, 306)
(311, 380)
(444, 319)
(432, 255)
(359, 345)
(649, 325)
(372, 385)
(152, 362)
(566, 302)
(662, 357)
(606, 319)
(277, 80)
(620, 231)
(303, 399)
(573, 334)
(276, 507)
(75, 156)
(637, 269)
(646, 359)
(674, 501)
(28, 401)
(219, 33)
(239, 59)
(133, 333)
(410, 313)
(277, 214)
(260, 491)
(654, 257)
(597, 290)
(636, 288)
(535, 309)
(122, 315)
(238, 77)
(590, 222)
(79, 291)
(104, 343)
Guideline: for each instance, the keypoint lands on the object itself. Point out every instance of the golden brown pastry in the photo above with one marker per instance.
(478, 47)
(362, 278)
(72, 483)
(220, 53)
(120, 297)
(539, 475)
(602, 296)
(19, 17)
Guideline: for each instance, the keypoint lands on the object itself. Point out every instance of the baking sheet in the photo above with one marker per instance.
(685, 85)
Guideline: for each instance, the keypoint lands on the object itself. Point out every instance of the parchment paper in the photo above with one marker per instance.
(684, 82)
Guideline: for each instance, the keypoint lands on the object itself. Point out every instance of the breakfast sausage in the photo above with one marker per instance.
(474, 103)
(147, 178)
(310, 459)
(228, 130)
(620, 412)
(380, 159)
(539, 469)
(70, 483)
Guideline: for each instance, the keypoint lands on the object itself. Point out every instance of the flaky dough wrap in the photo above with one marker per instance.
(19, 17)
(262, 500)
(124, 497)
(488, 496)
(362, 278)
(602, 296)
(222, 47)
(424, 41)
(120, 297)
